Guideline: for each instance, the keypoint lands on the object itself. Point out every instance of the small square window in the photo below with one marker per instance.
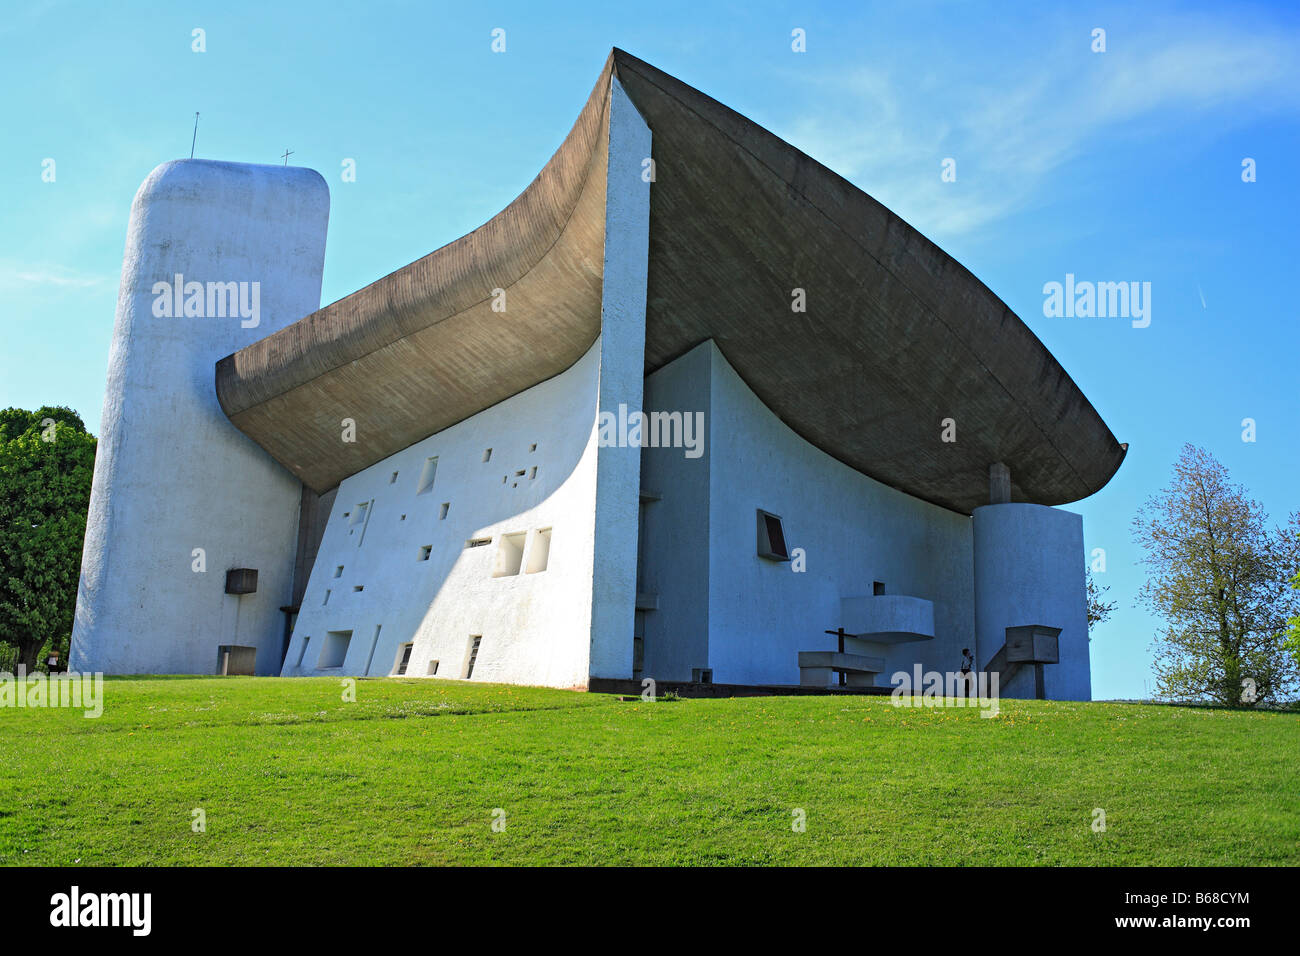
(771, 537)
(425, 552)
(338, 572)
(877, 588)
(433, 669)
(335, 649)
(533, 447)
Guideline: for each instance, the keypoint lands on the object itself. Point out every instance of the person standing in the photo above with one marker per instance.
(967, 668)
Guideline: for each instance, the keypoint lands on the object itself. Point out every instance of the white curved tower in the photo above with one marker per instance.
(1029, 572)
(218, 255)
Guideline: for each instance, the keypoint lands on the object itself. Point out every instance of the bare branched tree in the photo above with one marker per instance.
(1098, 607)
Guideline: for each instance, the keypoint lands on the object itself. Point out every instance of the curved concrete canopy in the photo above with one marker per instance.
(897, 335)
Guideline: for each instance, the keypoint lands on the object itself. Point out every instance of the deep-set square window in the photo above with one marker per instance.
(771, 537)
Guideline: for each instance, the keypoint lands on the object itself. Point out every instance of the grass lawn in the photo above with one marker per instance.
(288, 773)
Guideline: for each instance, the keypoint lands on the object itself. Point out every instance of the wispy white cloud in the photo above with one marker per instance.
(18, 276)
(1010, 133)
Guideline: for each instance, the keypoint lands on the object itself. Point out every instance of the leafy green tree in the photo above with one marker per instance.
(47, 460)
(1219, 578)
(1292, 641)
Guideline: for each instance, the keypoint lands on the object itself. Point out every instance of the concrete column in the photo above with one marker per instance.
(622, 377)
(999, 484)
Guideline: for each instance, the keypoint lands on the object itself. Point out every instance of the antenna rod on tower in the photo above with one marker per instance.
(196, 133)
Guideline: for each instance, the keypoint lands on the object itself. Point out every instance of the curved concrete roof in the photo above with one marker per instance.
(897, 335)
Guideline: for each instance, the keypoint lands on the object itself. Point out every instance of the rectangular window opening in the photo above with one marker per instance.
(433, 669)
(474, 642)
(393, 479)
(302, 651)
(539, 553)
(478, 542)
(510, 555)
(442, 512)
(335, 649)
(487, 455)
(427, 475)
(374, 642)
(403, 658)
(338, 571)
(877, 588)
(425, 551)
(771, 537)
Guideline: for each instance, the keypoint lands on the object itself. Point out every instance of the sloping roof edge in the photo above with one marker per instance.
(896, 337)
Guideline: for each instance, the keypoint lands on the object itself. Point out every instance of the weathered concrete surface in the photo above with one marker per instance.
(897, 335)
(422, 349)
(173, 480)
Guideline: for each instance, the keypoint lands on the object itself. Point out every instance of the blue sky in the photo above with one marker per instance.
(1115, 166)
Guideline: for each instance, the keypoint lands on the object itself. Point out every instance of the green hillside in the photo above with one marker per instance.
(417, 771)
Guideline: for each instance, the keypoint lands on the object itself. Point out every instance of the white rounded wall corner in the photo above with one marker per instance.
(1030, 570)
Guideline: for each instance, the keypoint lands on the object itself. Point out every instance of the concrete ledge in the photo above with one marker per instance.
(840, 661)
(633, 688)
(888, 618)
